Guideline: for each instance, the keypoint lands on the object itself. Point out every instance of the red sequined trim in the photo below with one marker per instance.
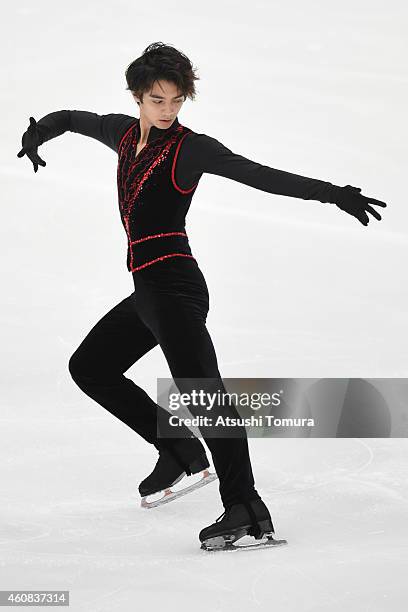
(159, 236)
(133, 171)
(149, 263)
(125, 134)
(173, 169)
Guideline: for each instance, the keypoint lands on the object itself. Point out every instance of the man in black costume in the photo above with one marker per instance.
(160, 163)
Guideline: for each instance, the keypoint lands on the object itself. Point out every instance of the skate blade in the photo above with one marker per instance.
(231, 543)
(170, 495)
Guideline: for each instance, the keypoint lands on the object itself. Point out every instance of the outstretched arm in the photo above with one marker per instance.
(201, 153)
(108, 129)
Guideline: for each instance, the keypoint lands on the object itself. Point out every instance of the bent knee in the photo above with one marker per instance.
(85, 369)
(79, 368)
(74, 366)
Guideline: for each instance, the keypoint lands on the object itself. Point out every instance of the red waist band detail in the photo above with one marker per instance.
(149, 263)
(158, 236)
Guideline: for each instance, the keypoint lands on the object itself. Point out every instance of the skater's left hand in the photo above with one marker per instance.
(350, 200)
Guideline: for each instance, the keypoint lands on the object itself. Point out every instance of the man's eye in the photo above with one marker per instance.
(159, 101)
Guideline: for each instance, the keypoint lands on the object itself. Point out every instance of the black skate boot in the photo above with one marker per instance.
(168, 472)
(250, 518)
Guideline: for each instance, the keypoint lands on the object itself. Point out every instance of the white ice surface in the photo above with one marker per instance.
(71, 520)
(297, 289)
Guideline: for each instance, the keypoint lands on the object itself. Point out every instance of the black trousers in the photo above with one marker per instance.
(169, 308)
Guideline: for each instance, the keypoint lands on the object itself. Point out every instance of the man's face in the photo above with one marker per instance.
(162, 102)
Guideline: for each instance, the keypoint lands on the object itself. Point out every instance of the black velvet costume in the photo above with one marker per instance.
(170, 302)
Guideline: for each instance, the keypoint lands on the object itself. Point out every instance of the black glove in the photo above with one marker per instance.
(350, 200)
(31, 140)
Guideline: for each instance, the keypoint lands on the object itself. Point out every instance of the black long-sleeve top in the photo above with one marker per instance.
(156, 184)
(199, 154)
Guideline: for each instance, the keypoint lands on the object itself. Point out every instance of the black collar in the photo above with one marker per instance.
(155, 132)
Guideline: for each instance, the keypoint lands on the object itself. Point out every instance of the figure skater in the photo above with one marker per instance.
(160, 163)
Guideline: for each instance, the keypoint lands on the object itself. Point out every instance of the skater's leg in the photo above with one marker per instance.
(112, 346)
(176, 312)
(230, 454)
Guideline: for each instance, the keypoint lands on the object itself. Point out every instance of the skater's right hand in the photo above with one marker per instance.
(31, 140)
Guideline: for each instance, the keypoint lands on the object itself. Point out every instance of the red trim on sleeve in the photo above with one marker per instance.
(173, 169)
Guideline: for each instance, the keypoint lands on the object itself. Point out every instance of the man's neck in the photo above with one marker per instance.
(147, 133)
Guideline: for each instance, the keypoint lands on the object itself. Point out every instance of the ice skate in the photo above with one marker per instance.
(240, 520)
(167, 473)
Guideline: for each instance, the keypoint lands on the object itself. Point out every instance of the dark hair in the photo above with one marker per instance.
(160, 61)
